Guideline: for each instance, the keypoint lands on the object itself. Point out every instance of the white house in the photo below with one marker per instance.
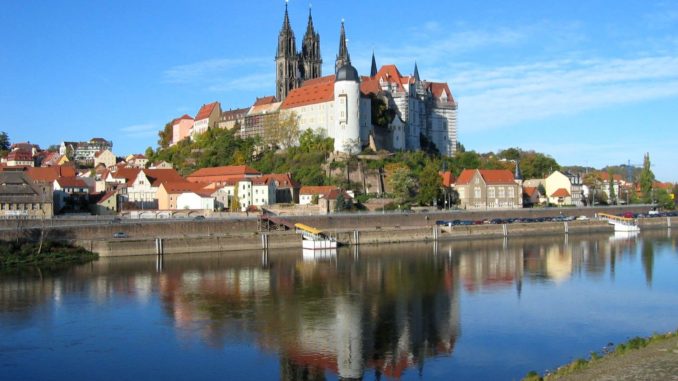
(195, 200)
(564, 188)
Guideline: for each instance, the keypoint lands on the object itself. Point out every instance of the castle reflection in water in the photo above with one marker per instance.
(354, 313)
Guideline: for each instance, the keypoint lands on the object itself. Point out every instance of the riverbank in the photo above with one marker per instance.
(22, 254)
(653, 358)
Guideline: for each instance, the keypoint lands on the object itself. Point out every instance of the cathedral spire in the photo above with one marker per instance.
(343, 57)
(309, 27)
(416, 72)
(310, 62)
(373, 70)
(286, 21)
(286, 60)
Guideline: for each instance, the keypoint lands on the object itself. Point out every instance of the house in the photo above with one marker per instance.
(105, 157)
(25, 146)
(52, 159)
(328, 201)
(83, 152)
(20, 158)
(286, 188)
(21, 197)
(308, 193)
(618, 184)
(181, 128)
(161, 165)
(206, 118)
(70, 193)
(531, 196)
(232, 118)
(143, 189)
(196, 200)
(169, 192)
(488, 188)
(104, 203)
(560, 197)
(136, 161)
(222, 175)
(264, 112)
(571, 183)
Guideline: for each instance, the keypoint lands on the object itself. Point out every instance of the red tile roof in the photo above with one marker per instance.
(71, 182)
(606, 176)
(160, 176)
(317, 189)
(282, 180)
(129, 174)
(440, 88)
(49, 174)
(206, 111)
(334, 193)
(561, 192)
(229, 170)
(20, 155)
(448, 178)
(369, 86)
(529, 191)
(490, 176)
(173, 187)
(319, 90)
(264, 101)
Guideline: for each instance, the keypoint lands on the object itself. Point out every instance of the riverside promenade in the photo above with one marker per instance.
(657, 361)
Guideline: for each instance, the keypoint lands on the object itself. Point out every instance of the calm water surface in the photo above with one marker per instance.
(470, 310)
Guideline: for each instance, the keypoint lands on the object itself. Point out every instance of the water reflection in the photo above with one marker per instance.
(370, 313)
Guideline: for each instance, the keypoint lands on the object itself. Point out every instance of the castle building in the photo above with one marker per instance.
(411, 114)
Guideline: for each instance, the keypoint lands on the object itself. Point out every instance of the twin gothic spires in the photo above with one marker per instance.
(292, 67)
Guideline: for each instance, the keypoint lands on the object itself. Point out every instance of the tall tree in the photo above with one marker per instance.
(610, 191)
(430, 184)
(235, 200)
(281, 131)
(646, 179)
(165, 136)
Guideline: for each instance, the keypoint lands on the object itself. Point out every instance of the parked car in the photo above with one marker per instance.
(120, 235)
(198, 218)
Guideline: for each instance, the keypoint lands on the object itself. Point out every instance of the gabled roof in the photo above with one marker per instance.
(319, 90)
(561, 192)
(229, 170)
(530, 191)
(282, 180)
(447, 178)
(490, 176)
(440, 88)
(264, 101)
(334, 193)
(101, 197)
(174, 187)
(206, 111)
(606, 176)
(49, 174)
(234, 114)
(71, 182)
(160, 176)
(369, 86)
(20, 155)
(317, 189)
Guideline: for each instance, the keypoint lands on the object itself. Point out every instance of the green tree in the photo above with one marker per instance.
(593, 181)
(400, 181)
(4, 142)
(646, 180)
(235, 200)
(149, 153)
(341, 203)
(430, 184)
(282, 131)
(663, 198)
(510, 154)
(537, 165)
(610, 191)
(165, 136)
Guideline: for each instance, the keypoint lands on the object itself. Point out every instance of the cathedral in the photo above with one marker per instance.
(385, 110)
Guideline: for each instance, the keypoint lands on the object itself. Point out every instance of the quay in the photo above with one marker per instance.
(150, 237)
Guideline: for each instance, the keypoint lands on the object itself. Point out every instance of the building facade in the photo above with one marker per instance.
(488, 189)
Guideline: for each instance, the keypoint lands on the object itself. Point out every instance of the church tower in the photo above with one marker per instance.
(343, 57)
(310, 62)
(286, 61)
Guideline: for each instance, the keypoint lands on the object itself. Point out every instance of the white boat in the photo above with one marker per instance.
(315, 239)
(621, 224)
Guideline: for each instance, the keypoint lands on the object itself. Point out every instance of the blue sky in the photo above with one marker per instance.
(591, 83)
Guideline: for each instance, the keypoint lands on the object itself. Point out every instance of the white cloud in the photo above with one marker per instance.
(144, 130)
(506, 96)
(257, 81)
(204, 71)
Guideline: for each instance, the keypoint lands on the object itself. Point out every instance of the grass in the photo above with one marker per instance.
(23, 254)
(579, 364)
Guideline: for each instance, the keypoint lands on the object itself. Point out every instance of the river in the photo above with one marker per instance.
(482, 310)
